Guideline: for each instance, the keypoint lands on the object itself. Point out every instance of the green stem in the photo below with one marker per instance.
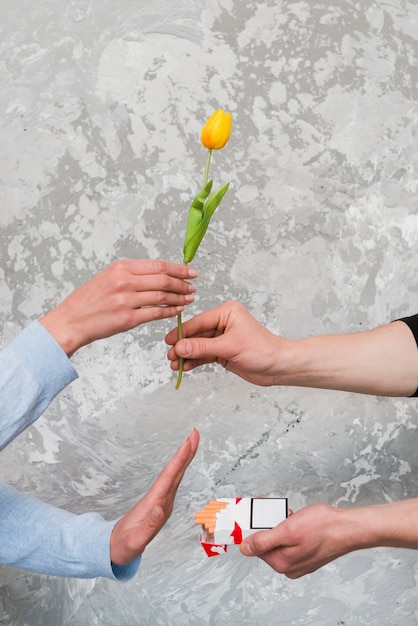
(179, 317)
(179, 336)
(207, 166)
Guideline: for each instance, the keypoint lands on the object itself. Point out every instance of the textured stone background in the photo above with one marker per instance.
(101, 105)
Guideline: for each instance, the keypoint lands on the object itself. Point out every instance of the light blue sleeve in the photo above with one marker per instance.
(41, 538)
(33, 370)
(36, 536)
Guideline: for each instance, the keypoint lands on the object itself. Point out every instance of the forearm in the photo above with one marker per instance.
(391, 525)
(33, 370)
(41, 538)
(383, 361)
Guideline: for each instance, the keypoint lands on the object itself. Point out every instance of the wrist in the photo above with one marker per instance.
(345, 531)
(54, 322)
(359, 528)
(291, 362)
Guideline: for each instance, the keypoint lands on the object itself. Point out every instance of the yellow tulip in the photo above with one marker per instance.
(217, 130)
(214, 136)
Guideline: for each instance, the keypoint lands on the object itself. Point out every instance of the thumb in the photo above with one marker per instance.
(196, 348)
(259, 543)
(246, 548)
(155, 519)
(152, 524)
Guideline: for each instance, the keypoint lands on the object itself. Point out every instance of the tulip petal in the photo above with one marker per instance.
(215, 133)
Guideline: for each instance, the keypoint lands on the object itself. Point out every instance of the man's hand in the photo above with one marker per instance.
(318, 534)
(382, 361)
(142, 522)
(123, 296)
(232, 337)
(306, 541)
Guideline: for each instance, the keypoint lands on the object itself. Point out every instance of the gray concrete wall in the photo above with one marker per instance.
(101, 106)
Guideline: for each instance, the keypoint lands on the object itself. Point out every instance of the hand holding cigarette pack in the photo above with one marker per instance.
(230, 520)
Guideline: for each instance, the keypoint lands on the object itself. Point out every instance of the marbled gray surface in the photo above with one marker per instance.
(100, 112)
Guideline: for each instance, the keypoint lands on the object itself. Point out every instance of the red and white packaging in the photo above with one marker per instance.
(230, 520)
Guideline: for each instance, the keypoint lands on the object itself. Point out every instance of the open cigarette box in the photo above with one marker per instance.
(230, 520)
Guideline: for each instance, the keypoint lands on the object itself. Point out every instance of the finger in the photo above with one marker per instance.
(150, 527)
(187, 450)
(151, 314)
(207, 322)
(172, 337)
(159, 298)
(175, 468)
(190, 365)
(174, 358)
(174, 333)
(260, 543)
(277, 562)
(161, 283)
(170, 477)
(142, 267)
(202, 348)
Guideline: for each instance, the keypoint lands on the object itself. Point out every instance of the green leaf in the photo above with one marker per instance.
(213, 202)
(196, 211)
(192, 242)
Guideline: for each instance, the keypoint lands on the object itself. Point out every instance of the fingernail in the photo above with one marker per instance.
(193, 273)
(246, 549)
(186, 347)
(180, 308)
(189, 298)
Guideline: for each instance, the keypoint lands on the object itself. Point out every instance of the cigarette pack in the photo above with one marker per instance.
(230, 520)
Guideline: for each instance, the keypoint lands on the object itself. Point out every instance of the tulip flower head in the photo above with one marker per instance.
(217, 130)
(215, 133)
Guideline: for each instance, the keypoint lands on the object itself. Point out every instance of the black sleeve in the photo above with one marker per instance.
(412, 322)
